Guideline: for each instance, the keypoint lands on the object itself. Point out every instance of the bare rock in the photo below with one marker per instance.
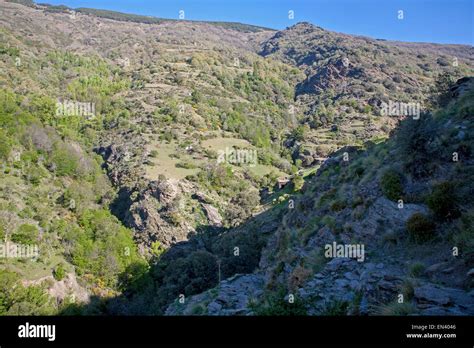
(213, 215)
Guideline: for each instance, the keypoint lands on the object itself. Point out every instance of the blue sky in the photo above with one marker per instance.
(443, 21)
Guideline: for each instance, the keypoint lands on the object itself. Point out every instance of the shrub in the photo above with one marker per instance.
(336, 308)
(5, 146)
(59, 273)
(186, 165)
(157, 249)
(175, 218)
(359, 171)
(391, 184)
(298, 182)
(276, 304)
(417, 269)
(414, 138)
(188, 275)
(420, 228)
(407, 288)
(396, 309)
(338, 206)
(78, 197)
(250, 244)
(66, 163)
(440, 92)
(442, 201)
(464, 232)
(26, 234)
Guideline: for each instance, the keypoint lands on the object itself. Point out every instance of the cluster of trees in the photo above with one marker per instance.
(98, 245)
(16, 299)
(59, 173)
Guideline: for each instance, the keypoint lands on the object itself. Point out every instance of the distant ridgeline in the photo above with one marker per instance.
(119, 16)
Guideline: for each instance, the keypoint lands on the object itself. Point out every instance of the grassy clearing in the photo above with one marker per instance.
(32, 270)
(262, 170)
(164, 163)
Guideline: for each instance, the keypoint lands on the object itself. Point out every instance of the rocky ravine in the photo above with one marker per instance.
(395, 276)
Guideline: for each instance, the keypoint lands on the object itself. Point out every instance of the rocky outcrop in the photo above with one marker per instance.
(151, 215)
(67, 288)
(215, 219)
(438, 300)
(231, 297)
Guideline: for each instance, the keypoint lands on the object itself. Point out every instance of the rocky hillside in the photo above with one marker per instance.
(202, 135)
(349, 77)
(405, 203)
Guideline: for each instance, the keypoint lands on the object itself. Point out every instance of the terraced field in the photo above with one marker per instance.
(166, 161)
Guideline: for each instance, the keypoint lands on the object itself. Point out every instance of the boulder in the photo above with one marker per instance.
(212, 213)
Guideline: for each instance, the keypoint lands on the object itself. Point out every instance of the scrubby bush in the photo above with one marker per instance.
(59, 273)
(338, 205)
(336, 308)
(26, 234)
(396, 309)
(277, 304)
(5, 145)
(186, 165)
(78, 197)
(298, 182)
(175, 218)
(440, 92)
(242, 205)
(249, 244)
(442, 201)
(65, 163)
(391, 184)
(417, 269)
(414, 138)
(464, 232)
(187, 275)
(420, 228)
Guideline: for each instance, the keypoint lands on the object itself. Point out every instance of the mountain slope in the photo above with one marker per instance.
(349, 77)
(147, 195)
(415, 229)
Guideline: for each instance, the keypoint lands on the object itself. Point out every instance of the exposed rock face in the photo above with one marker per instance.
(439, 300)
(149, 214)
(213, 215)
(330, 76)
(393, 218)
(166, 191)
(341, 280)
